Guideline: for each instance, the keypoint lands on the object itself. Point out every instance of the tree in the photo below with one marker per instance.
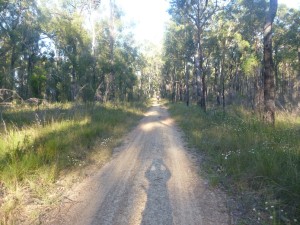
(20, 32)
(177, 52)
(199, 14)
(150, 79)
(286, 43)
(269, 81)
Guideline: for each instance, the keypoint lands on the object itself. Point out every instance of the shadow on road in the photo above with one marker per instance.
(158, 208)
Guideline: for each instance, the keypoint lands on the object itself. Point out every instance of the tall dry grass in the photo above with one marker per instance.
(37, 145)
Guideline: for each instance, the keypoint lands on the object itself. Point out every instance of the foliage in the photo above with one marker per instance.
(65, 51)
(250, 64)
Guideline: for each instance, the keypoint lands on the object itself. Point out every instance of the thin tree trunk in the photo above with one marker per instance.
(222, 72)
(198, 77)
(110, 87)
(30, 66)
(223, 89)
(298, 76)
(299, 61)
(269, 83)
(174, 86)
(187, 89)
(201, 92)
(12, 69)
(204, 92)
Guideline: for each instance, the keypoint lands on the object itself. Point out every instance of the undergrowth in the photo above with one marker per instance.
(259, 162)
(37, 145)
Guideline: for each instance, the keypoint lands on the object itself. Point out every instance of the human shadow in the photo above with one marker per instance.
(158, 208)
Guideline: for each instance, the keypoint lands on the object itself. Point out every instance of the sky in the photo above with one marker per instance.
(150, 17)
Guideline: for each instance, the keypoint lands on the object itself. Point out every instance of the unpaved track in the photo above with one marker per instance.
(151, 180)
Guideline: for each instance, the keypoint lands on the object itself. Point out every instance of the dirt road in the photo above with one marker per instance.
(151, 180)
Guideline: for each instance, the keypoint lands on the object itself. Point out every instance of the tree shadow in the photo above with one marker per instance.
(158, 208)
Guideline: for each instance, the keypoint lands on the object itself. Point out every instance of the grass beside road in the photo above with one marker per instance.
(248, 157)
(38, 145)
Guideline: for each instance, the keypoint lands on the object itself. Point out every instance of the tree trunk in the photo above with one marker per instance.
(201, 93)
(298, 76)
(110, 87)
(11, 80)
(187, 89)
(222, 78)
(299, 61)
(198, 78)
(223, 90)
(269, 83)
(30, 66)
(203, 100)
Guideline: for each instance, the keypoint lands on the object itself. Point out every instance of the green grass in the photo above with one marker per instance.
(37, 145)
(247, 156)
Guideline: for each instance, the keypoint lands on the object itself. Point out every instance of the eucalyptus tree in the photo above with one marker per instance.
(237, 53)
(177, 53)
(110, 77)
(126, 64)
(286, 50)
(151, 81)
(201, 13)
(20, 35)
(198, 13)
(72, 44)
(118, 56)
(269, 81)
(84, 50)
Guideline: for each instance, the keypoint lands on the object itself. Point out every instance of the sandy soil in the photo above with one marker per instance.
(151, 179)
